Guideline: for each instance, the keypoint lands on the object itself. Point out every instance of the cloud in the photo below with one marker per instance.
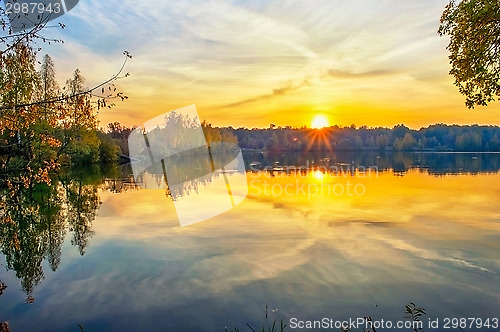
(431, 255)
(222, 54)
(288, 87)
(292, 86)
(336, 73)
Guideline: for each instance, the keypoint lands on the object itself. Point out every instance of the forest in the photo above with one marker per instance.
(438, 137)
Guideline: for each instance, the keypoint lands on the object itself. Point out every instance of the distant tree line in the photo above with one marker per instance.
(438, 137)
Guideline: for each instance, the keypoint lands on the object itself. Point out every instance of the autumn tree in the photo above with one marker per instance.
(48, 89)
(18, 85)
(474, 30)
(39, 123)
(49, 86)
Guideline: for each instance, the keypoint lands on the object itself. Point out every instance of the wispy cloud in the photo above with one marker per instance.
(431, 255)
(227, 54)
(289, 87)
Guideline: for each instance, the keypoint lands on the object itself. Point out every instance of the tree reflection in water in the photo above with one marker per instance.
(37, 213)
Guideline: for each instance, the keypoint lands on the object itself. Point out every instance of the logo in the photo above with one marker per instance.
(26, 14)
(204, 179)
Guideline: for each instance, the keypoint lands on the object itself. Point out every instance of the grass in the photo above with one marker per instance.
(413, 313)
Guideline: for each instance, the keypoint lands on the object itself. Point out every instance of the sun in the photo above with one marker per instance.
(319, 121)
(318, 175)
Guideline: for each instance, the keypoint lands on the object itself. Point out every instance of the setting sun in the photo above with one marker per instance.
(319, 121)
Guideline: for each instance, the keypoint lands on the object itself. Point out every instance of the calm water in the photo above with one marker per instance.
(95, 250)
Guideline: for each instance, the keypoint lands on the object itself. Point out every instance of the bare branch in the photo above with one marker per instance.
(67, 97)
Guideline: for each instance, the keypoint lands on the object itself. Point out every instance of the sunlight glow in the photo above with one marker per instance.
(318, 175)
(319, 121)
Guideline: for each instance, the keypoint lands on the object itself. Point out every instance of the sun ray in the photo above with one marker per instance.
(319, 138)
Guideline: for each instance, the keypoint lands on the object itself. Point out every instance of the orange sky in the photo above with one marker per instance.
(252, 63)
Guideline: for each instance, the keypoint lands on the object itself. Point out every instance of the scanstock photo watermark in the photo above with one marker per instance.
(27, 14)
(311, 180)
(368, 324)
(204, 178)
(351, 324)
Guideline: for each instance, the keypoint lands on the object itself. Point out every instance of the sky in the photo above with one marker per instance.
(253, 63)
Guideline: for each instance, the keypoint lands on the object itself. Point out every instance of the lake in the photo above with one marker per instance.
(349, 235)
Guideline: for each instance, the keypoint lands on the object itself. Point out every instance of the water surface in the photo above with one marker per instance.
(95, 250)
